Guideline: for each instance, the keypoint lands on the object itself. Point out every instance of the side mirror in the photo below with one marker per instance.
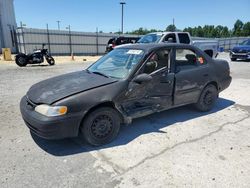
(142, 78)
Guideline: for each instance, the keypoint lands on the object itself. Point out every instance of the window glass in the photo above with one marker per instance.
(184, 38)
(158, 60)
(246, 42)
(118, 63)
(170, 38)
(187, 58)
(150, 38)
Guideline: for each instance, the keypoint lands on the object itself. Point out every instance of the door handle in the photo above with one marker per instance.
(205, 75)
(166, 82)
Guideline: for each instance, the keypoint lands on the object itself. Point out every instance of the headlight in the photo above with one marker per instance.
(51, 111)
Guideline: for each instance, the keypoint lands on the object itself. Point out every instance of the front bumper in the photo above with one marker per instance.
(244, 56)
(49, 127)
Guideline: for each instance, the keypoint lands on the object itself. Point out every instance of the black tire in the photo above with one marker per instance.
(50, 61)
(207, 98)
(101, 126)
(21, 60)
(233, 59)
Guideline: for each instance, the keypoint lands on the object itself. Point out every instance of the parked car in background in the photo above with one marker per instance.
(242, 51)
(208, 46)
(116, 41)
(129, 82)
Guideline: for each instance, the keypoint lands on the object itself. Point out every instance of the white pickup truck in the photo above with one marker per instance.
(208, 46)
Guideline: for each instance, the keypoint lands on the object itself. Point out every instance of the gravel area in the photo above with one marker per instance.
(176, 148)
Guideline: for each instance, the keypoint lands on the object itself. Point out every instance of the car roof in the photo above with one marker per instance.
(166, 32)
(151, 46)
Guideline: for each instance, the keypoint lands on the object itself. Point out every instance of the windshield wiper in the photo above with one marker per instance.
(95, 72)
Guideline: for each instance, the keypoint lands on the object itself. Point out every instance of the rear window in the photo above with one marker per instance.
(184, 38)
(150, 38)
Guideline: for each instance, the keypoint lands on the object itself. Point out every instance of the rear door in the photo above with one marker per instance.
(191, 74)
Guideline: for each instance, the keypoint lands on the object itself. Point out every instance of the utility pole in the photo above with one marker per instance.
(58, 24)
(122, 3)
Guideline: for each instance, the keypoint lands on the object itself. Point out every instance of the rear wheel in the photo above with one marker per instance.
(207, 98)
(233, 59)
(101, 126)
(21, 60)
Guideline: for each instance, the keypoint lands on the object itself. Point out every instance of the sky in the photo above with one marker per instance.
(87, 15)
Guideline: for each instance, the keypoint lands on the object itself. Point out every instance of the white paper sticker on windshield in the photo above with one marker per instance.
(134, 52)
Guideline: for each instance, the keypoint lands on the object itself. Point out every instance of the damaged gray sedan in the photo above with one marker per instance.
(130, 82)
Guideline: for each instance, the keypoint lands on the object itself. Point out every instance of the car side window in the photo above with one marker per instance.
(184, 38)
(187, 58)
(170, 38)
(158, 60)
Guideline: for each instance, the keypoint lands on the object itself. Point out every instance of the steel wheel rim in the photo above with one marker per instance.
(208, 98)
(102, 126)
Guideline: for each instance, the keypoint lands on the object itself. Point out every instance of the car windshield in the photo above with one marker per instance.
(118, 63)
(150, 38)
(246, 42)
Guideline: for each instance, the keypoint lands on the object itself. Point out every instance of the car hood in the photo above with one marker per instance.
(242, 47)
(54, 89)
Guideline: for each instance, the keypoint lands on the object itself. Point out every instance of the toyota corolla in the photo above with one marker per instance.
(130, 82)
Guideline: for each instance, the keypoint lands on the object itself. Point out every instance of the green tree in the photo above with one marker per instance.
(237, 30)
(171, 28)
(225, 32)
(190, 30)
(246, 29)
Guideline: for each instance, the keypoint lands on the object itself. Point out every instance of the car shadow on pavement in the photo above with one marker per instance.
(140, 126)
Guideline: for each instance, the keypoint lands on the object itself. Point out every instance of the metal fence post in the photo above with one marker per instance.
(97, 50)
(15, 39)
(229, 45)
(24, 48)
(48, 38)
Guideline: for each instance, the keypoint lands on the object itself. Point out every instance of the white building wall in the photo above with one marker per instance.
(7, 25)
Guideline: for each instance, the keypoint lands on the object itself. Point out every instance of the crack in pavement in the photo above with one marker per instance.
(115, 167)
(121, 171)
(182, 143)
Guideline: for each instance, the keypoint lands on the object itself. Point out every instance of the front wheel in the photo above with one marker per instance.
(101, 126)
(21, 60)
(50, 60)
(207, 98)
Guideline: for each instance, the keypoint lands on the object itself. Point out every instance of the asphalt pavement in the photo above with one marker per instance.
(176, 148)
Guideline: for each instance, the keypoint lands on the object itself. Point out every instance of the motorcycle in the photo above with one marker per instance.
(36, 57)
